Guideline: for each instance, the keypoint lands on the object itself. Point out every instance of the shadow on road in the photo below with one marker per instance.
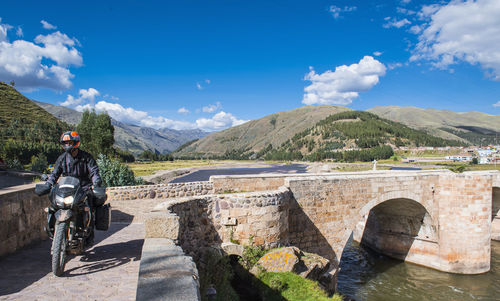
(106, 257)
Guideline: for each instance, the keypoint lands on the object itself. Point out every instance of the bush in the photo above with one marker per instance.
(251, 254)
(39, 163)
(113, 173)
(15, 164)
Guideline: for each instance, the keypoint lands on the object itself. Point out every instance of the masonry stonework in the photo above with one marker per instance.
(22, 218)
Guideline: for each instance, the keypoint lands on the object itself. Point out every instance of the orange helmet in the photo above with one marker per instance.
(69, 141)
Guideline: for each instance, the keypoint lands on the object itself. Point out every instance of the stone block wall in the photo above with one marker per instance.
(22, 218)
(246, 183)
(171, 190)
(204, 221)
(465, 202)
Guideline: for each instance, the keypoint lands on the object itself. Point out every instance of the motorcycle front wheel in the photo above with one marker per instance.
(59, 245)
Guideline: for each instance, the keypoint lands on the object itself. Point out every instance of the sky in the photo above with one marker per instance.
(213, 64)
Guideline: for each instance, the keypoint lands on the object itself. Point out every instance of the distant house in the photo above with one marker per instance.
(460, 158)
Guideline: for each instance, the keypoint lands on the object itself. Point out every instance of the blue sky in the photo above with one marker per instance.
(215, 64)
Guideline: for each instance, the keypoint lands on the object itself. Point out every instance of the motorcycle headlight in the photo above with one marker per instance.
(63, 202)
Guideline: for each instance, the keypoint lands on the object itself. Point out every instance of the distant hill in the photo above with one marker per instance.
(473, 127)
(133, 138)
(26, 129)
(313, 133)
(255, 135)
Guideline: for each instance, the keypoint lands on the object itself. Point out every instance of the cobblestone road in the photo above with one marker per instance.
(108, 271)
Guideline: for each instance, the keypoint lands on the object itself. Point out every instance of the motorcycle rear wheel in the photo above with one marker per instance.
(59, 245)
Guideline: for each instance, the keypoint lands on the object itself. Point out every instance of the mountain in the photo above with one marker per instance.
(311, 132)
(255, 135)
(133, 138)
(473, 127)
(26, 129)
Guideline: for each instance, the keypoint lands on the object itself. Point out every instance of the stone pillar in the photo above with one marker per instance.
(464, 222)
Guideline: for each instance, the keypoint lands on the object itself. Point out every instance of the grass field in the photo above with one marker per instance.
(141, 169)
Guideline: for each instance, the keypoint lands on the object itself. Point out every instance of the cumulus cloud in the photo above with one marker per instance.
(19, 32)
(183, 110)
(212, 108)
(343, 85)
(47, 25)
(42, 63)
(392, 22)
(461, 31)
(88, 95)
(377, 53)
(219, 121)
(336, 11)
(496, 105)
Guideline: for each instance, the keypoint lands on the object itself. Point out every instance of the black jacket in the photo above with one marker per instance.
(83, 166)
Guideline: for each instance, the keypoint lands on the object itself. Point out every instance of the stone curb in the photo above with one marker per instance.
(166, 273)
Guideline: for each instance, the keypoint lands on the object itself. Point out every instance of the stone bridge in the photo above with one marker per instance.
(438, 219)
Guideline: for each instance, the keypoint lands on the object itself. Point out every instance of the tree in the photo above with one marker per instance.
(96, 133)
(113, 173)
(12, 83)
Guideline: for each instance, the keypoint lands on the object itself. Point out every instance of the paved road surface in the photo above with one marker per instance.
(108, 271)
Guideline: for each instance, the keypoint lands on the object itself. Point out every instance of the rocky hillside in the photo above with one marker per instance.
(133, 138)
(255, 135)
(473, 127)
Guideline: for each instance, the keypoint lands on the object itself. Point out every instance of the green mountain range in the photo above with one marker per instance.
(309, 131)
(471, 127)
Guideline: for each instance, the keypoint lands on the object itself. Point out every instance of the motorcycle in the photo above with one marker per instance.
(72, 230)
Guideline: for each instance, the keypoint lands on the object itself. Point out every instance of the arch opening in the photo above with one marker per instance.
(400, 228)
(495, 214)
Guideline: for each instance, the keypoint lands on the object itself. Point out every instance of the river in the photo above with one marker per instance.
(367, 275)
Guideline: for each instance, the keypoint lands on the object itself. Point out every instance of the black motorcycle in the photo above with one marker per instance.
(72, 218)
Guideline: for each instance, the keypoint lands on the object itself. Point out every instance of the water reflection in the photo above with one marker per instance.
(366, 275)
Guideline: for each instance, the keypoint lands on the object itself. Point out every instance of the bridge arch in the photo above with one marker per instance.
(495, 213)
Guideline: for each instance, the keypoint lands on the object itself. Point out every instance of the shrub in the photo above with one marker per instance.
(251, 254)
(15, 164)
(39, 163)
(113, 173)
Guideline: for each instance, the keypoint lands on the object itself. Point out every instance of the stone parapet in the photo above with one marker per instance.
(22, 218)
(166, 273)
(160, 191)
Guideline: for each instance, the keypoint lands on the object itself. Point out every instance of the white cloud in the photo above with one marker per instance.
(416, 29)
(183, 110)
(212, 108)
(461, 31)
(198, 86)
(85, 101)
(405, 1)
(111, 97)
(335, 10)
(207, 81)
(343, 85)
(393, 66)
(377, 53)
(405, 11)
(32, 65)
(219, 121)
(88, 95)
(497, 104)
(395, 23)
(19, 32)
(47, 25)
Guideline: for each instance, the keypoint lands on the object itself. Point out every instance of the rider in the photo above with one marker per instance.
(76, 163)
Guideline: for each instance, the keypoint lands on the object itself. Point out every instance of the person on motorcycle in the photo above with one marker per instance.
(76, 163)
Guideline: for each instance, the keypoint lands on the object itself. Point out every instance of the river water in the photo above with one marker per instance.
(367, 275)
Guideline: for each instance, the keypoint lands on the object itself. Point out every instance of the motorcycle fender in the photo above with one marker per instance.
(63, 215)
